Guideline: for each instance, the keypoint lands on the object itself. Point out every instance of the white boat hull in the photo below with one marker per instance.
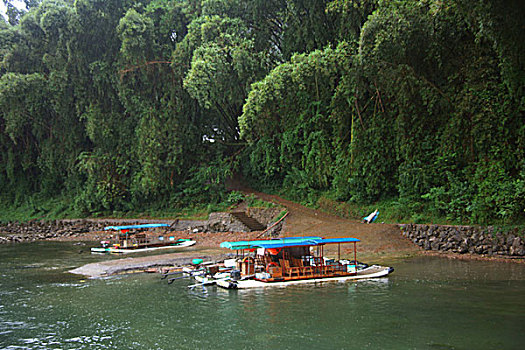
(373, 271)
(140, 250)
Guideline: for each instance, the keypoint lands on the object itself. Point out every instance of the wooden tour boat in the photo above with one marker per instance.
(294, 260)
(133, 239)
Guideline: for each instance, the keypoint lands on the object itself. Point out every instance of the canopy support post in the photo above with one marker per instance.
(355, 257)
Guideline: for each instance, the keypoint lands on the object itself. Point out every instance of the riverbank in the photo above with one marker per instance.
(238, 220)
(380, 243)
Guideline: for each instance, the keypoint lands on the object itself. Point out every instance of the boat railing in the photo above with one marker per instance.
(287, 270)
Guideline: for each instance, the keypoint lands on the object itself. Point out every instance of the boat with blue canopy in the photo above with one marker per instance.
(141, 238)
(294, 260)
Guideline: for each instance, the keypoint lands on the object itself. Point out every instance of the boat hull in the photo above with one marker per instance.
(373, 271)
(140, 250)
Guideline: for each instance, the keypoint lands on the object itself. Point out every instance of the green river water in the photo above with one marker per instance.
(427, 303)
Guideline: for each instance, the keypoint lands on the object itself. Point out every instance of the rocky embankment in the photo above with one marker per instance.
(34, 230)
(465, 239)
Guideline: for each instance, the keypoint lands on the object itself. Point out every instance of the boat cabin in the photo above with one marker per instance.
(292, 258)
(135, 236)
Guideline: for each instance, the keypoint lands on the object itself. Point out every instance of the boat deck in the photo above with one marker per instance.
(314, 272)
(373, 271)
(288, 273)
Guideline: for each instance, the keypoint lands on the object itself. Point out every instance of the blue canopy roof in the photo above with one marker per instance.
(338, 240)
(129, 227)
(282, 245)
(257, 244)
(286, 242)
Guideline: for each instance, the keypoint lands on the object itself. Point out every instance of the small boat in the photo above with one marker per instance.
(181, 243)
(132, 239)
(207, 274)
(294, 260)
(205, 279)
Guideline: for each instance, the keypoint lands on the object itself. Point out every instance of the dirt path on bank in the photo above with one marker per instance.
(377, 240)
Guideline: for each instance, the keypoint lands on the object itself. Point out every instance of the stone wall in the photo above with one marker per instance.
(217, 222)
(465, 239)
(14, 232)
(265, 216)
(33, 230)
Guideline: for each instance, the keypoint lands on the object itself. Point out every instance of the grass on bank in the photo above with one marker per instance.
(391, 211)
(394, 212)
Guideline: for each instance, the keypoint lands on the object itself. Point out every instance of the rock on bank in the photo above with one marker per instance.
(466, 239)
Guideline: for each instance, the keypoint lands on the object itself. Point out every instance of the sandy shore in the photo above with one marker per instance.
(140, 264)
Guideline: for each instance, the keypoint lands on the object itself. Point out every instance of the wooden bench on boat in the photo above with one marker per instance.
(296, 272)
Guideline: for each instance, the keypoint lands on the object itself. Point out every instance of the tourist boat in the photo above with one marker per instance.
(294, 260)
(133, 239)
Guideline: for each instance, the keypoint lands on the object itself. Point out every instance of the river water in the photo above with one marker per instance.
(427, 303)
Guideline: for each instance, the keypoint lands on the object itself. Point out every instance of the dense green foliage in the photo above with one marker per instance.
(115, 106)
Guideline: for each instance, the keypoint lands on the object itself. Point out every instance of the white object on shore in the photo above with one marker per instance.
(372, 217)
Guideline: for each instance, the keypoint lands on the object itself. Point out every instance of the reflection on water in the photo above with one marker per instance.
(428, 303)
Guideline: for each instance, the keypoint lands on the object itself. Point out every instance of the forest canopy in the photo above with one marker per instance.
(120, 105)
